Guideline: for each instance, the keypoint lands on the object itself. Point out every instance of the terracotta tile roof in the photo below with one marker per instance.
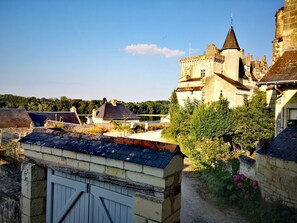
(282, 146)
(67, 117)
(231, 41)
(182, 89)
(283, 71)
(119, 112)
(236, 84)
(14, 117)
(155, 154)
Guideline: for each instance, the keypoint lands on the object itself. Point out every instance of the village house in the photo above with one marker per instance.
(112, 111)
(220, 72)
(275, 167)
(42, 118)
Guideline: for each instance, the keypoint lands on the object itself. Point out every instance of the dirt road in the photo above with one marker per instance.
(198, 206)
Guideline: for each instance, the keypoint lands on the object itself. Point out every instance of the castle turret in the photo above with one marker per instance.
(232, 53)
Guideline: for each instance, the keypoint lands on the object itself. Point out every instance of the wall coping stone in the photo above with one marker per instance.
(144, 152)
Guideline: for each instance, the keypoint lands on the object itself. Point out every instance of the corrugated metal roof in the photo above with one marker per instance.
(14, 117)
(155, 154)
(283, 71)
(231, 41)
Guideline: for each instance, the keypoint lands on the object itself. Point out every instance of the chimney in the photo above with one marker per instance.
(94, 113)
(73, 109)
(113, 102)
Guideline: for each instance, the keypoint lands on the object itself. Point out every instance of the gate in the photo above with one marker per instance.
(72, 199)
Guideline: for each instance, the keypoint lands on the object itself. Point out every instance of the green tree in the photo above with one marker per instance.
(211, 120)
(253, 121)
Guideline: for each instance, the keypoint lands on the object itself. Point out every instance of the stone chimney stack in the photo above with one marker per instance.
(94, 113)
(113, 102)
(73, 109)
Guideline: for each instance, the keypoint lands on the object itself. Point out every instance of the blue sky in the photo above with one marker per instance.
(123, 49)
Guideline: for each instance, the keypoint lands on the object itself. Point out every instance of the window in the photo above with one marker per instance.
(203, 73)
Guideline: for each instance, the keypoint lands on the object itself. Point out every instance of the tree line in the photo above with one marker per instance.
(82, 106)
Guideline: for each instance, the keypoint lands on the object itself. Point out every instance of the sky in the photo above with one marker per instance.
(127, 50)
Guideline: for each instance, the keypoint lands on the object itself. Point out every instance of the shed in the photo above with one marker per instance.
(92, 178)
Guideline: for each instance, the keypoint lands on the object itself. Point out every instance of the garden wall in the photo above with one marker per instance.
(277, 179)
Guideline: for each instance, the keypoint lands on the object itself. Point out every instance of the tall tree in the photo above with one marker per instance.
(253, 121)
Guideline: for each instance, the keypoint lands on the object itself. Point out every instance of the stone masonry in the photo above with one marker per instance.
(277, 179)
(157, 188)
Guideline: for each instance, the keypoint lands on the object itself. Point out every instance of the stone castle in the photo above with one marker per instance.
(223, 72)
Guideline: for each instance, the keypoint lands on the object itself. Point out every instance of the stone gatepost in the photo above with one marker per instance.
(33, 199)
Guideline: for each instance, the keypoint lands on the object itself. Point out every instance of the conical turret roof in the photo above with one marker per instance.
(231, 41)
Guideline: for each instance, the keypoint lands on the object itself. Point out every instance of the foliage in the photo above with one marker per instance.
(211, 120)
(173, 98)
(83, 106)
(242, 187)
(211, 154)
(180, 119)
(253, 121)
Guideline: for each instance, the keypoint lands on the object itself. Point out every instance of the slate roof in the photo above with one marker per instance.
(40, 117)
(14, 117)
(283, 71)
(283, 146)
(119, 112)
(231, 41)
(154, 154)
(236, 84)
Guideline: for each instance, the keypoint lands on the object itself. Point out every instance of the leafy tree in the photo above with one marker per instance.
(253, 121)
(173, 98)
(211, 120)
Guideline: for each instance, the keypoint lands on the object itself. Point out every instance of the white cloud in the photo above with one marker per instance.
(152, 49)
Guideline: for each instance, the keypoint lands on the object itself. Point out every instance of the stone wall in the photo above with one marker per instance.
(247, 167)
(277, 179)
(158, 191)
(290, 25)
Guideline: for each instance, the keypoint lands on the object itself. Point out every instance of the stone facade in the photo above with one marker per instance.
(277, 179)
(285, 29)
(157, 190)
(226, 72)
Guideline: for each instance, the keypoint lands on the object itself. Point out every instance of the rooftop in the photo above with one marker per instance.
(14, 117)
(231, 41)
(282, 146)
(283, 71)
(150, 153)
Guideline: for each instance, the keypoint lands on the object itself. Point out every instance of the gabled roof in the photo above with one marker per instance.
(231, 41)
(68, 117)
(283, 146)
(283, 71)
(14, 117)
(154, 154)
(108, 111)
(236, 84)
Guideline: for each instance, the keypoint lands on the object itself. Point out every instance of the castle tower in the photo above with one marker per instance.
(231, 51)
